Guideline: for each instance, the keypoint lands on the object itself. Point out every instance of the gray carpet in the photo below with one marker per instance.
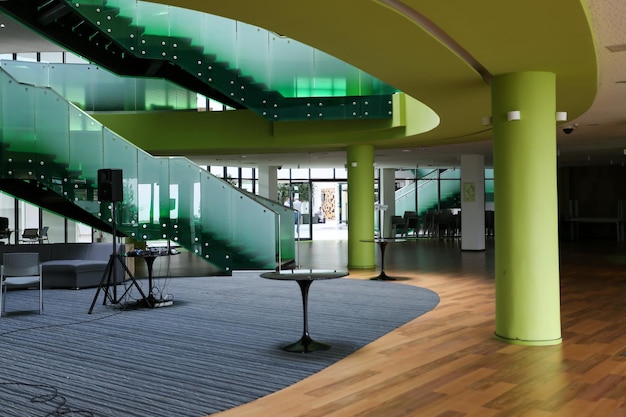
(217, 347)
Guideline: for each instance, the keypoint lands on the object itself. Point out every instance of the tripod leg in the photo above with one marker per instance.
(107, 273)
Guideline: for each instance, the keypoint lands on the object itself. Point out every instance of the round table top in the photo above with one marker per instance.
(304, 274)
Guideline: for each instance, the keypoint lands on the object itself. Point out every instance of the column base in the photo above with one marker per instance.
(549, 342)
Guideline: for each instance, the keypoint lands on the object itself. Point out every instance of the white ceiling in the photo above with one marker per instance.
(598, 137)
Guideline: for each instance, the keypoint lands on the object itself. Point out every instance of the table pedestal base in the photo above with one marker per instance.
(305, 345)
(383, 277)
(304, 278)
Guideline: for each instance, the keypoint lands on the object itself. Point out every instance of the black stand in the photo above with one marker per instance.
(305, 344)
(382, 244)
(106, 282)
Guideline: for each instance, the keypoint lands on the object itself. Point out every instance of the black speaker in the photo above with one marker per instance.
(110, 185)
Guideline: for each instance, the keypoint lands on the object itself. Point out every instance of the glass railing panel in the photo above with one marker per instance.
(300, 62)
(255, 225)
(253, 53)
(218, 190)
(71, 82)
(154, 39)
(186, 47)
(287, 241)
(154, 18)
(216, 203)
(152, 197)
(18, 116)
(158, 94)
(51, 124)
(186, 24)
(86, 158)
(336, 78)
(285, 215)
(27, 72)
(184, 214)
(219, 37)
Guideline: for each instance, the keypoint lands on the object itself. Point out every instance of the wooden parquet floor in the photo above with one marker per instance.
(446, 362)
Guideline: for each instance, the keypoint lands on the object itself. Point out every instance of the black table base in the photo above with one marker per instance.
(305, 344)
(382, 244)
(304, 278)
(383, 277)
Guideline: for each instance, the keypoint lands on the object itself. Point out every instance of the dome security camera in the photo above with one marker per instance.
(568, 129)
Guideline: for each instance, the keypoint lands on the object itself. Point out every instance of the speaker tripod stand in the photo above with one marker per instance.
(109, 282)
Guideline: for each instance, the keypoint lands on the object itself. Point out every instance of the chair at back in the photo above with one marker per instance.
(20, 270)
(412, 225)
(30, 236)
(398, 226)
(43, 234)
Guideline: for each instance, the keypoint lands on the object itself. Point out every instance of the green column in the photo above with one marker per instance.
(526, 211)
(360, 165)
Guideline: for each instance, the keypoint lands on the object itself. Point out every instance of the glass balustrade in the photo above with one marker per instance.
(277, 77)
(50, 145)
(285, 224)
(92, 88)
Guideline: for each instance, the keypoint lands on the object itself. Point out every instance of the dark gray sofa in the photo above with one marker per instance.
(71, 265)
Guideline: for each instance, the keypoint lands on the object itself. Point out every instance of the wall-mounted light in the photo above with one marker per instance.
(487, 121)
(513, 115)
(353, 164)
(561, 116)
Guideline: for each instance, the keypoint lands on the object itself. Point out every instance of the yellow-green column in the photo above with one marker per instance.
(360, 163)
(526, 219)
